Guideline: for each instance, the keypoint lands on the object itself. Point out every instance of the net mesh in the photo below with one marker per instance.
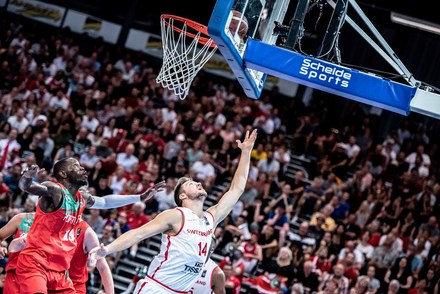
(185, 52)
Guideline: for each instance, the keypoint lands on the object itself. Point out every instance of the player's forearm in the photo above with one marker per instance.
(25, 183)
(236, 189)
(125, 241)
(114, 201)
(239, 180)
(106, 276)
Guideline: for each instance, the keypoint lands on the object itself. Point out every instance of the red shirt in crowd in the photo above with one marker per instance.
(135, 221)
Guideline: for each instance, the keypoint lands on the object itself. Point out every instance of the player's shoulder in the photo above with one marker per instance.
(172, 214)
(18, 217)
(50, 184)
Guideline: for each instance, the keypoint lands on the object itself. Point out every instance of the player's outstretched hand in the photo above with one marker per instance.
(97, 253)
(147, 195)
(249, 140)
(32, 171)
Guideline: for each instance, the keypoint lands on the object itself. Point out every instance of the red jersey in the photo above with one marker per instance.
(23, 228)
(78, 269)
(250, 249)
(51, 239)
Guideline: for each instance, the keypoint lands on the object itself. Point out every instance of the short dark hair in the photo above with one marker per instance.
(60, 165)
(178, 189)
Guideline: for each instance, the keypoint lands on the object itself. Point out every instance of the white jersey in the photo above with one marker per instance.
(204, 282)
(182, 256)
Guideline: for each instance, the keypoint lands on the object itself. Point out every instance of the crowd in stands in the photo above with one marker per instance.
(363, 218)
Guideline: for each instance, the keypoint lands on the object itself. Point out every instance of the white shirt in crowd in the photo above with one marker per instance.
(126, 161)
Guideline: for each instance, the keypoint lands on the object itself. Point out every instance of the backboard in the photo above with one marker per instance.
(259, 52)
(259, 17)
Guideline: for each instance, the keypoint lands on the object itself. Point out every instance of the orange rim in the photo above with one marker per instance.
(190, 23)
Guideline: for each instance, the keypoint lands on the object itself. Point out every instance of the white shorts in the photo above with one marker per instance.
(149, 286)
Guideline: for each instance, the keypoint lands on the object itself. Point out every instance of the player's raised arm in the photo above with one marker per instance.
(167, 221)
(45, 189)
(238, 183)
(114, 201)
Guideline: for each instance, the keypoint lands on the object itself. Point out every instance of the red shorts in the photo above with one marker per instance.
(80, 288)
(11, 285)
(33, 278)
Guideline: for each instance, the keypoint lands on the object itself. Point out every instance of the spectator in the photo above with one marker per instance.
(365, 248)
(350, 247)
(361, 286)
(384, 255)
(89, 121)
(127, 159)
(59, 101)
(259, 153)
(89, 158)
(393, 287)
(302, 236)
(308, 277)
(81, 142)
(351, 270)
(268, 242)
(173, 147)
(194, 153)
(400, 272)
(95, 220)
(106, 238)
(310, 198)
(232, 283)
(342, 283)
(7, 145)
(352, 230)
(329, 223)
(411, 158)
(352, 149)
(203, 171)
(165, 198)
(136, 217)
(253, 253)
(19, 121)
(277, 218)
(269, 165)
(282, 268)
(117, 180)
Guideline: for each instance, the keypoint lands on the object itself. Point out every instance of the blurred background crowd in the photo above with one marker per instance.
(332, 205)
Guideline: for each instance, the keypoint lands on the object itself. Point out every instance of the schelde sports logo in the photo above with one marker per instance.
(333, 76)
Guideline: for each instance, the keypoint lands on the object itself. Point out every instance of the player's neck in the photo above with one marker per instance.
(196, 207)
(70, 187)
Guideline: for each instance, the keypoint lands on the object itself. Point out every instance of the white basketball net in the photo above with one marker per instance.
(183, 56)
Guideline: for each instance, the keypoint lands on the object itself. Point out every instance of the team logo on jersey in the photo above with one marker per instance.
(194, 269)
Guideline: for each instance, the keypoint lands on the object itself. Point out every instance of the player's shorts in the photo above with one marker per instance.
(33, 278)
(149, 286)
(80, 288)
(11, 285)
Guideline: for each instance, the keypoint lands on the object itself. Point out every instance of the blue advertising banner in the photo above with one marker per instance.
(326, 76)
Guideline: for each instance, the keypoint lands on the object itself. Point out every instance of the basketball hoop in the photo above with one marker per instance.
(186, 48)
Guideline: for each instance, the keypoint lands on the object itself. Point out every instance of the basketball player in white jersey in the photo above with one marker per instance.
(186, 231)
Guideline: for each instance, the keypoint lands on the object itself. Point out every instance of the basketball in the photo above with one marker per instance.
(235, 21)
